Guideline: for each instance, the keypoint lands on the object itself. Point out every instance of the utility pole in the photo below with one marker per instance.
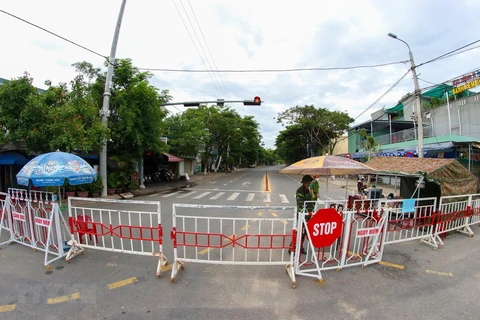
(418, 112)
(105, 111)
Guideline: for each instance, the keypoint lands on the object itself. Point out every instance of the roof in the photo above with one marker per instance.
(438, 91)
(433, 140)
(453, 178)
(11, 158)
(173, 158)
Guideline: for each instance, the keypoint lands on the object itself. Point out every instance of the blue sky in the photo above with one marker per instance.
(252, 35)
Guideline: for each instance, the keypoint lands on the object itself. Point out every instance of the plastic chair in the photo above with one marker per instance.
(82, 223)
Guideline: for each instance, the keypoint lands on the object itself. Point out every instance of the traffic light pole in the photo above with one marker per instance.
(220, 102)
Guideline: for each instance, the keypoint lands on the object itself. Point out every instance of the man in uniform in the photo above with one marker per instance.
(303, 194)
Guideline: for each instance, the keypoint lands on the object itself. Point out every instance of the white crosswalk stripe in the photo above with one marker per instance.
(267, 198)
(233, 196)
(250, 197)
(170, 194)
(284, 198)
(202, 195)
(218, 195)
(186, 194)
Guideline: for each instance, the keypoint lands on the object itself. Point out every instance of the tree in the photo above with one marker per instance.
(292, 144)
(322, 128)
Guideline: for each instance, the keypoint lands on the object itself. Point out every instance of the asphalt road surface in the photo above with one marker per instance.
(412, 282)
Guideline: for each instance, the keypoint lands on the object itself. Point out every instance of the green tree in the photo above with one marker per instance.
(292, 144)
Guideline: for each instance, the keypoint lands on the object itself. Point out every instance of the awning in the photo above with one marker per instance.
(172, 158)
(11, 158)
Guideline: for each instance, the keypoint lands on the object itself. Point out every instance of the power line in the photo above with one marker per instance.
(384, 94)
(278, 70)
(448, 54)
(196, 48)
(54, 34)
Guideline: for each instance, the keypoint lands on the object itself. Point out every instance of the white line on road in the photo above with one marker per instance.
(201, 195)
(250, 197)
(267, 199)
(170, 194)
(218, 195)
(233, 196)
(186, 194)
(284, 198)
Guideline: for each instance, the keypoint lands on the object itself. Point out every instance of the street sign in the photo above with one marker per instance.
(325, 227)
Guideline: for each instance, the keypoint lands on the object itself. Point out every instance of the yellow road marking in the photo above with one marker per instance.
(254, 220)
(60, 299)
(274, 214)
(204, 251)
(8, 307)
(284, 221)
(245, 227)
(122, 283)
(393, 265)
(260, 214)
(440, 273)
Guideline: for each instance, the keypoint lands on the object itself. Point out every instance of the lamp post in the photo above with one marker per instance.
(417, 93)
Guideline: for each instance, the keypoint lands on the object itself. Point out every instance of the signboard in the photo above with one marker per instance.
(367, 232)
(408, 205)
(325, 227)
(471, 80)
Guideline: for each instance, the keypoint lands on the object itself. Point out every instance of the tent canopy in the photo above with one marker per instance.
(449, 174)
(11, 158)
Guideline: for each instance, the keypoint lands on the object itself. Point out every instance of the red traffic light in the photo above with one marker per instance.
(255, 102)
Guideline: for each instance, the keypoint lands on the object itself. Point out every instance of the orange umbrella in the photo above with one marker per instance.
(327, 166)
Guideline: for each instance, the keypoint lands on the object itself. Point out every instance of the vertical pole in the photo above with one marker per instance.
(106, 97)
(448, 112)
(418, 103)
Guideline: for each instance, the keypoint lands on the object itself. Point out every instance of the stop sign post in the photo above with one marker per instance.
(325, 227)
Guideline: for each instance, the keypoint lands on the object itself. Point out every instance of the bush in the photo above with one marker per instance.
(97, 185)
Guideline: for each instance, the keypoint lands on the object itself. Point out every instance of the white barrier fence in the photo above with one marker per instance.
(135, 228)
(457, 214)
(359, 241)
(3, 214)
(262, 236)
(34, 220)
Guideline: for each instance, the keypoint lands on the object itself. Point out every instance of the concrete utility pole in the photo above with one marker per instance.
(105, 112)
(417, 92)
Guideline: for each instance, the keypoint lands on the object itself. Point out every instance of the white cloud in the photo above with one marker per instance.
(251, 35)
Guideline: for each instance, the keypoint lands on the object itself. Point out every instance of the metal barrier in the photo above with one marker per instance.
(360, 243)
(3, 213)
(457, 213)
(96, 225)
(410, 219)
(34, 220)
(260, 237)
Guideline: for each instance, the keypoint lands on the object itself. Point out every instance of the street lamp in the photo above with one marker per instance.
(417, 93)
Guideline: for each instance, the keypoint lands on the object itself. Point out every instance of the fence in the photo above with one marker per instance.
(34, 220)
(3, 214)
(135, 228)
(260, 237)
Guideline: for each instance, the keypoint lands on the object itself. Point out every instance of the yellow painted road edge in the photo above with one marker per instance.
(449, 274)
(122, 283)
(8, 307)
(60, 299)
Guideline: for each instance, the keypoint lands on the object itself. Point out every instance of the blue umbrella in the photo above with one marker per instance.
(51, 170)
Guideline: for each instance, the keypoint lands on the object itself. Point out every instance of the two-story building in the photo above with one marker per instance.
(451, 129)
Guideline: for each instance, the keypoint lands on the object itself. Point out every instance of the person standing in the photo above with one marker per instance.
(315, 188)
(301, 195)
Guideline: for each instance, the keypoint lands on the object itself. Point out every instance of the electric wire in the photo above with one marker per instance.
(54, 34)
(448, 54)
(208, 49)
(196, 48)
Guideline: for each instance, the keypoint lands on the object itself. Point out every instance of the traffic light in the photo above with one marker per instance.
(256, 102)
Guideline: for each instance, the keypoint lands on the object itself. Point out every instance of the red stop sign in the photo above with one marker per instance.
(325, 227)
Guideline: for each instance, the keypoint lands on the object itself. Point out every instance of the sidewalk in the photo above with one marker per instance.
(163, 186)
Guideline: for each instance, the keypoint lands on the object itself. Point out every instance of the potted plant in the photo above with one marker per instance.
(82, 190)
(112, 183)
(69, 189)
(96, 187)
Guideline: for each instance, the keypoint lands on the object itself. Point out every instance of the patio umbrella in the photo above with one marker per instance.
(51, 170)
(327, 166)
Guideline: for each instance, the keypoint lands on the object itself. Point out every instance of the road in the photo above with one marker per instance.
(413, 281)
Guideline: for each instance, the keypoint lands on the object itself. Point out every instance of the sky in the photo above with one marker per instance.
(330, 38)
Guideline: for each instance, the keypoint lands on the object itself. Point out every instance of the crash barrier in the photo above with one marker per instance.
(335, 240)
(34, 220)
(134, 227)
(457, 213)
(3, 215)
(410, 219)
(263, 236)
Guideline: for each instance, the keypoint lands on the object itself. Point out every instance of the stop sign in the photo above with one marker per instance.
(325, 227)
